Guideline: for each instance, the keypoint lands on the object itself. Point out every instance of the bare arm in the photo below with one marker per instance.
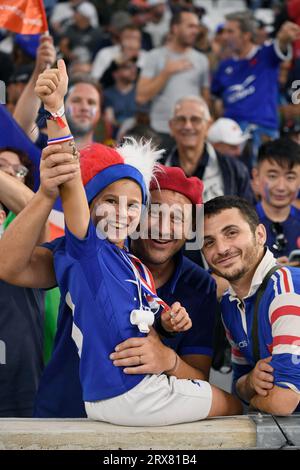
(288, 33)
(149, 355)
(148, 88)
(51, 87)
(28, 265)
(14, 194)
(279, 401)
(28, 104)
(258, 381)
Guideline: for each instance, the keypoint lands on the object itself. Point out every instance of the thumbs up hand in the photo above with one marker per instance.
(51, 87)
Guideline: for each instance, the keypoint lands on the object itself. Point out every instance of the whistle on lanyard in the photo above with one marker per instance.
(142, 318)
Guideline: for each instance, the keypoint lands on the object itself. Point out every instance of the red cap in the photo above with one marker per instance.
(174, 179)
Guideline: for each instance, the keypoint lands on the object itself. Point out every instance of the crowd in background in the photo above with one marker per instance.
(172, 71)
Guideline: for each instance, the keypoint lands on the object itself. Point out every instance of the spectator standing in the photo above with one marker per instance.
(128, 48)
(247, 83)
(159, 24)
(119, 100)
(173, 71)
(83, 32)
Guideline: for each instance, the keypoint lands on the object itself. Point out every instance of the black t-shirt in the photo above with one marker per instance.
(21, 348)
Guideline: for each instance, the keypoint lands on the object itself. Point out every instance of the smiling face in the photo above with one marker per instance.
(278, 185)
(230, 247)
(116, 210)
(169, 217)
(189, 125)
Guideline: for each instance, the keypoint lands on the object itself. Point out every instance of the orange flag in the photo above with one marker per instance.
(23, 16)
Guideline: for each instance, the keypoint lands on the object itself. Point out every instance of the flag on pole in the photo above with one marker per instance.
(23, 16)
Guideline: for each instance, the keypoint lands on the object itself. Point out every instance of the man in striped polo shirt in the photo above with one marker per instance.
(234, 248)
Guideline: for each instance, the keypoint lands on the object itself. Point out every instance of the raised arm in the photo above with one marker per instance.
(28, 104)
(287, 34)
(51, 88)
(21, 261)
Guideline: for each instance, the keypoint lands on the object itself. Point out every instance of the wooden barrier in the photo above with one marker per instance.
(216, 433)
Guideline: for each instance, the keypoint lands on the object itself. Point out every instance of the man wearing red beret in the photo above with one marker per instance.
(174, 198)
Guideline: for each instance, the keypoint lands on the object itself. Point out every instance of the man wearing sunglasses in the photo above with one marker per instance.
(277, 179)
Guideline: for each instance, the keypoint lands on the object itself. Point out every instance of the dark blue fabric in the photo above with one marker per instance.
(111, 174)
(249, 87)
(291, 230)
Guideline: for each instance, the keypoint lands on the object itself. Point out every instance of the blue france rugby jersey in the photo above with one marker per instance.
(278, 325)
(99, 290)
(249, 87)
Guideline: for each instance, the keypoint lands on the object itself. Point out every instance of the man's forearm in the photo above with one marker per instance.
(14, 194)
(145, 92)
(23, 234)
(186, 371)
(244, 389)
(279, 401)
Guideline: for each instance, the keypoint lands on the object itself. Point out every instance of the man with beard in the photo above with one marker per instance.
(173, 71)
(83, 109)
(265, 359)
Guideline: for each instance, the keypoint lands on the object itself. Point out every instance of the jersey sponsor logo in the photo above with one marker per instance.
(241, 90)
(229, 70)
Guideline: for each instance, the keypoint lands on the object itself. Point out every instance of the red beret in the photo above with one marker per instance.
(174, 179)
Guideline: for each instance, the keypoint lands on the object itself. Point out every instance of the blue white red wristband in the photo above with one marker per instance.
(60, 140)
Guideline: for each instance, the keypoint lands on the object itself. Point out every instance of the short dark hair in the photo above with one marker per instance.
(177, 16)
(83, 78)
(219, 204)
(283, 151)
(130, 27)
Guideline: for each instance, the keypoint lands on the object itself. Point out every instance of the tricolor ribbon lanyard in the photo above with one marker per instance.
(144, 317)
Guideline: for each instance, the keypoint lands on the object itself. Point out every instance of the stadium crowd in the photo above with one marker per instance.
(120, 313)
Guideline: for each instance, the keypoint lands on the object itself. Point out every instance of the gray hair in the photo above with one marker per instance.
(194, 99)
(245, 20)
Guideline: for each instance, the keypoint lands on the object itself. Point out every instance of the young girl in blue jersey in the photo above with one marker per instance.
(108, 289)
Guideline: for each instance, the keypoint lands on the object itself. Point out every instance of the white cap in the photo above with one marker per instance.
(88, 10)
(227, 131)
